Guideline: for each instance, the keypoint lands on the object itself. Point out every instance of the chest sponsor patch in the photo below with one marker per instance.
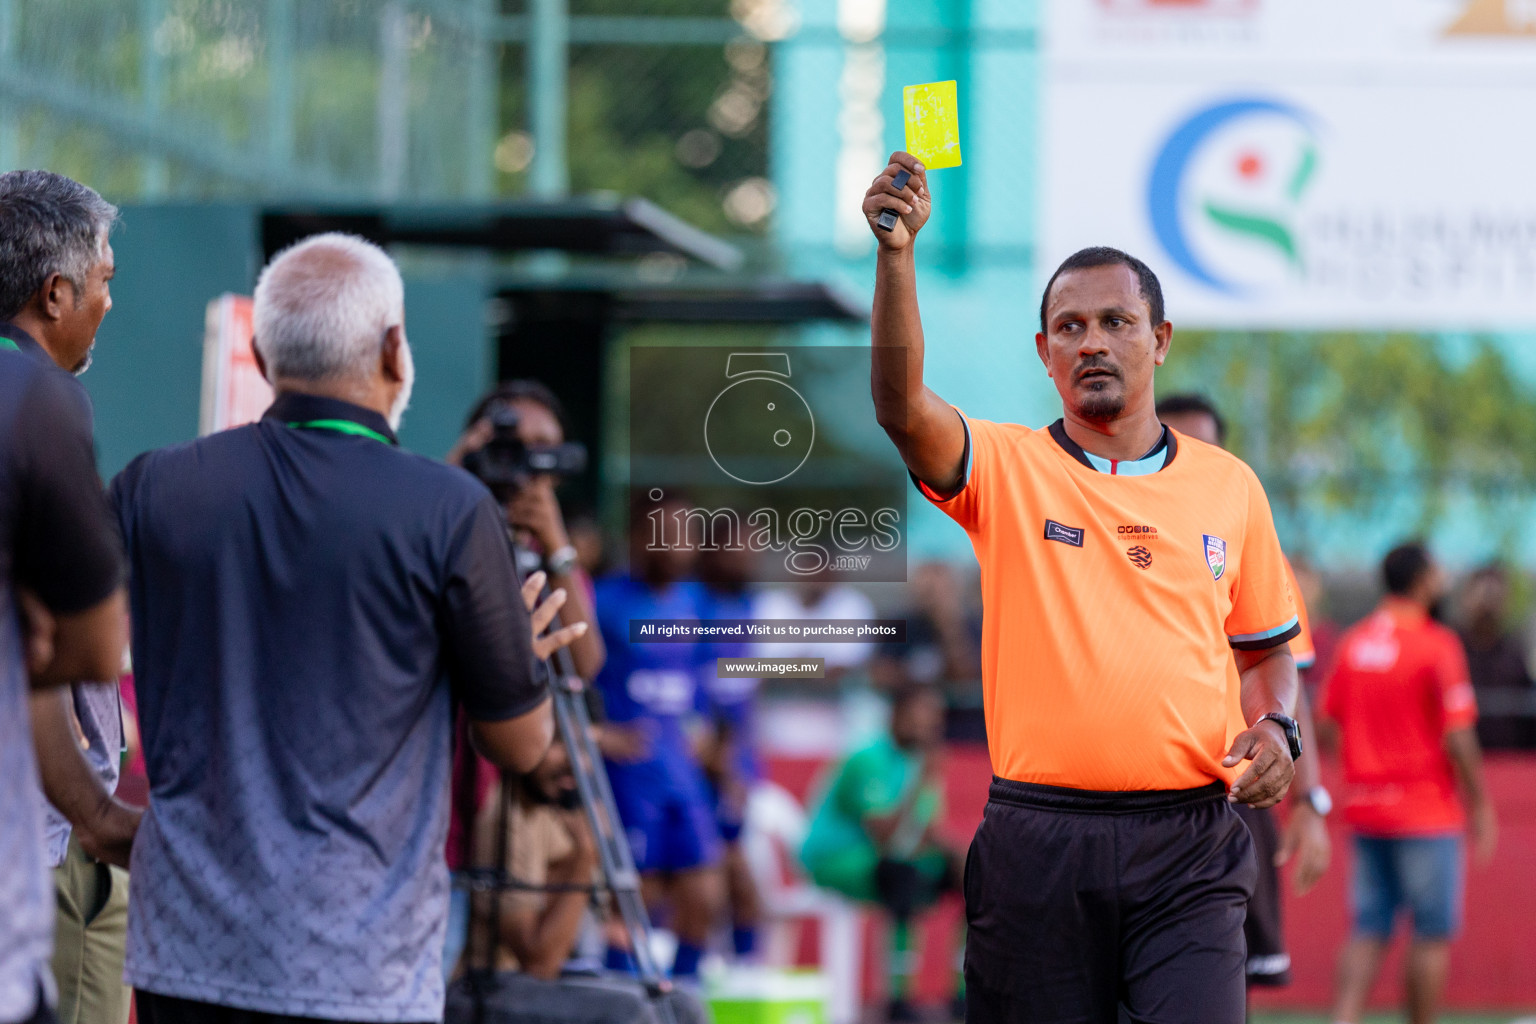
(1065, 534)
(1215, 555)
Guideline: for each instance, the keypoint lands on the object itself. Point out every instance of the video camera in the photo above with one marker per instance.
(506, 464)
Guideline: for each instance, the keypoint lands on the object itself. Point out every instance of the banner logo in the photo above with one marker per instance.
(1225, 190)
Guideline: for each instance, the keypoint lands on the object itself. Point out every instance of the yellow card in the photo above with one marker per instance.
(933, 124)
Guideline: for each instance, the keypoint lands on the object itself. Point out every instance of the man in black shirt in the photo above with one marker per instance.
(59, 557)
(55, 263)
(309, 600)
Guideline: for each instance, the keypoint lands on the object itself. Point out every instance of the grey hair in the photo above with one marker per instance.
(322, 306)
(49, 224)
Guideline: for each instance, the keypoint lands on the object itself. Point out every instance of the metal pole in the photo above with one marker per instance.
(280, 85)
(484, 81)
(10, 153)
(548, 56)
(394, 81)
(152, 80)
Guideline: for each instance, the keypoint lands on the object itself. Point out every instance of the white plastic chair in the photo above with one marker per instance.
(776, 826)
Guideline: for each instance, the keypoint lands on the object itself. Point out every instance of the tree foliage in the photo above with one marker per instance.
(1408, 427)
(681, 123)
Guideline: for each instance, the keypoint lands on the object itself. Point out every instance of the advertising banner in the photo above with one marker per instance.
(1299, 163)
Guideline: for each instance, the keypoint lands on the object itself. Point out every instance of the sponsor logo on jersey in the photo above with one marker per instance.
(1065, 534)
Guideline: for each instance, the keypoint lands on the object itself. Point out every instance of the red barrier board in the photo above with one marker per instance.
(1493, 964)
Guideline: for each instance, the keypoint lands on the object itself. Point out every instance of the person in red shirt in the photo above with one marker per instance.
(1401, 699)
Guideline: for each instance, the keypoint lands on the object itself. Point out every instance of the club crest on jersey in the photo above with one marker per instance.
(1215, 555)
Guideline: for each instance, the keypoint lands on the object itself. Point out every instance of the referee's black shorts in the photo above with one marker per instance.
(1106, 907)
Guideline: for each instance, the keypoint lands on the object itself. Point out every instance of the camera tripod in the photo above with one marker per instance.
(619, 877)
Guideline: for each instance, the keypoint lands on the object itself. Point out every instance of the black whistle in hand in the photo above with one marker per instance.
(887, 219)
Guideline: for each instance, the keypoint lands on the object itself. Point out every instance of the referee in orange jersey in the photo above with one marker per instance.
(1131, 580)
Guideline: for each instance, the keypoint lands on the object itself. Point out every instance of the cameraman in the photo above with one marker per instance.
(520, 422)
(538, 423)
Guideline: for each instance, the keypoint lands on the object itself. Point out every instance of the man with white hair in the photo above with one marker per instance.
(309, 602)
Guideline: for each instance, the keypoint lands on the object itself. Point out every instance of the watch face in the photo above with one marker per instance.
(759, 430)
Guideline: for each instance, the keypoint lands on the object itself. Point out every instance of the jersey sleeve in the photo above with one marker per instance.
(1453, 686)
(978, 466)
(487, 635)
(1302, 648)
(1263, 610)
(67, 546)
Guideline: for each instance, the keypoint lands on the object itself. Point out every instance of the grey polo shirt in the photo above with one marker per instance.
(309, 600)
(99, 710)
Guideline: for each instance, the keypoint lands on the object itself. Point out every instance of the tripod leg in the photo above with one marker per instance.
(619, 874)
(618, 865)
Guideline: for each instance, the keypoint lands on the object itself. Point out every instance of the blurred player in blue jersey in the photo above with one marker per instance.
(657, 721)
(731, 762)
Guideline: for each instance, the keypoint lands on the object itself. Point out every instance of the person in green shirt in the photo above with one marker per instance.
(875, 835)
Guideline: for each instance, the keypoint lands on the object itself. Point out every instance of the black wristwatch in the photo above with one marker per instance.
(1292, 731)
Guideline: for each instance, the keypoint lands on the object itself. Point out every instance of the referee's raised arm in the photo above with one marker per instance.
(926, 429)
